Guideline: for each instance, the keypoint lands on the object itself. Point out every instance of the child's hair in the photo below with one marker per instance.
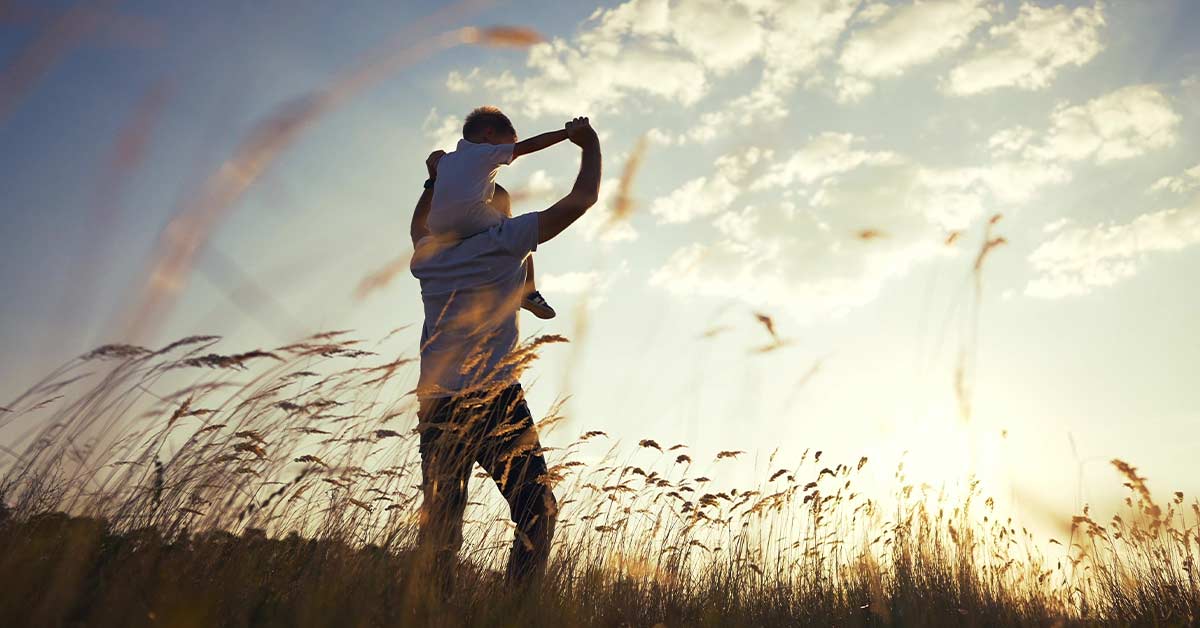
(484, 118)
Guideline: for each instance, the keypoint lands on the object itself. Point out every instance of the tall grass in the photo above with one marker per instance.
(181, 486)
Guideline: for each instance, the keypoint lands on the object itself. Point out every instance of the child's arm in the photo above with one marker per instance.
(538, 142)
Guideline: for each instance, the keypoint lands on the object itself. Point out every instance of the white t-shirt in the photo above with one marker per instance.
(472, 290)
(466, 181)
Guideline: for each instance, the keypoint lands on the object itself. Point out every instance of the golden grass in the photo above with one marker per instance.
(185, 486)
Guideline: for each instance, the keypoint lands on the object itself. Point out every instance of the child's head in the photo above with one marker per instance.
(488, 125)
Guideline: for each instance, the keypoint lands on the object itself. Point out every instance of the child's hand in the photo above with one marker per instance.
(431, 162)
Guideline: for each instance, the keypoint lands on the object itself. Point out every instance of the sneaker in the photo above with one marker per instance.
(534, 302)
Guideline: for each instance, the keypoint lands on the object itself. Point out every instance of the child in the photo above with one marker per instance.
(465, 185)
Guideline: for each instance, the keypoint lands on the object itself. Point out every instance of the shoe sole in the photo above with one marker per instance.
(538, 311)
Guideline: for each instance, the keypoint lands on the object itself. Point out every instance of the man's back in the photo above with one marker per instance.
(471, 291)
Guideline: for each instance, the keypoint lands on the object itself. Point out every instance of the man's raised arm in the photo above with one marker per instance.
(586, 190)
(418, 229)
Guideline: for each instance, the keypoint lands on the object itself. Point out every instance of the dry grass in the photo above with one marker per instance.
(183, 486)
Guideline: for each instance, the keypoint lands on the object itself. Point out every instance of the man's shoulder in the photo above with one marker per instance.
(523, 221)
(518, 235)
(431, 248)
(512, 236)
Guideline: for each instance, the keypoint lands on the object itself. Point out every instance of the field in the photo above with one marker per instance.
(183, 487)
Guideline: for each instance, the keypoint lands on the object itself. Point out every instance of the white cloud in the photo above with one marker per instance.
(540, 183)
(641, 17)
(600, 224)
(1123, 124)
(802, 34)
(799, 35)
(701, 196)
(720, 34)
(707, 195)
(804, 254)
(1009, 180)
(738, 226)
(1029, 51)
(809, 260)
(851, 89)
(951, 199)
(594, 284)
(955, 198)
(659, 137)
(1010, 141)
(538, 187)
(1018, 181)
(460, 83)
(442, 131)
(1126, 123)
(906, 36)
(568, 283)
(1078, 260)
(638, 48)
(1181, 184)
(872, 12)
(810, 278)
(1055, 226)
(825, 155)
(570, 80)
(671, 52)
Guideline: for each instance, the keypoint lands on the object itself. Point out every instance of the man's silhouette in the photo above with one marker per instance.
(472, 408)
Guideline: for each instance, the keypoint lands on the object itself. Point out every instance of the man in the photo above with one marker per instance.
(472, 408)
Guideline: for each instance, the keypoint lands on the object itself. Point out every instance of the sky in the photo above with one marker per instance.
(837, 166)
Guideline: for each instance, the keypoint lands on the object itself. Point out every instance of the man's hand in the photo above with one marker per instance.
(432, 161)
(581, 133)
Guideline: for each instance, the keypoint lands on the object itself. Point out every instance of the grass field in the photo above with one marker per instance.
(182, 487)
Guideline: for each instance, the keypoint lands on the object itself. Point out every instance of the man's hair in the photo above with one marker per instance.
(484, 118)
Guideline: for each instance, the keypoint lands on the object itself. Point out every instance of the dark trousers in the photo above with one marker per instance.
(496, 430)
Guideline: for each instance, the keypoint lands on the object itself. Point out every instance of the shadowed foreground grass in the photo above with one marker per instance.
(181, 487)
(76, 571)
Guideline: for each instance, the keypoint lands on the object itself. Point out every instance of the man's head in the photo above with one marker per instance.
(501, 201)
(488, 125)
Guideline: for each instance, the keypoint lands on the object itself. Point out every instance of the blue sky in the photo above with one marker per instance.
(776, 132)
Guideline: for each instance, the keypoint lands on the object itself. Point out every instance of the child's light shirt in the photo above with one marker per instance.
(466, 181)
